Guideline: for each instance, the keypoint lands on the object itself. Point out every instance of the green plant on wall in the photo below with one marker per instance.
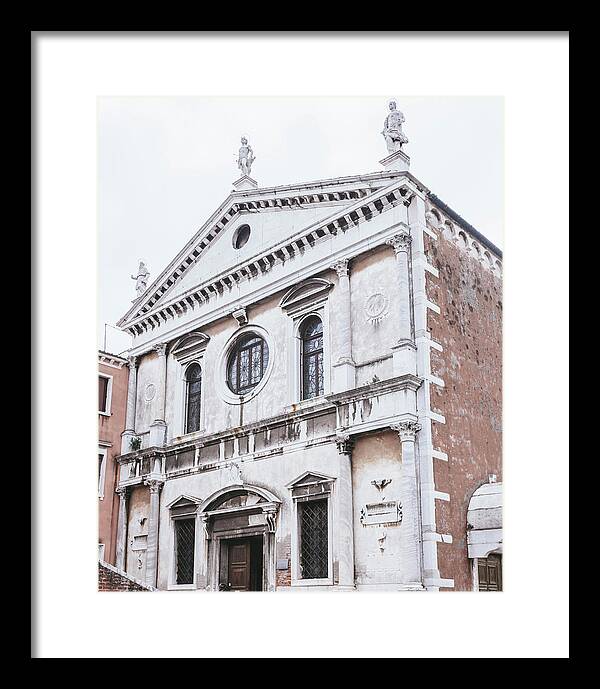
(135, 443)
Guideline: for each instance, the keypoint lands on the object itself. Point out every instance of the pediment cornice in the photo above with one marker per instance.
(342, 219)
(289, 197)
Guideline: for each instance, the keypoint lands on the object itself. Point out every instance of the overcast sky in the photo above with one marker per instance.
(165, 164)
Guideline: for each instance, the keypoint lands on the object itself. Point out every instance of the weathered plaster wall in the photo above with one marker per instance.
(109, 431)
(137, 526)
(374, 286)
(469, 328)
(377, 457)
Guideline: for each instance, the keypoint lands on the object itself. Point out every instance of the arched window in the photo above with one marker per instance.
(247, 363)
(312, 357)
(193, 377)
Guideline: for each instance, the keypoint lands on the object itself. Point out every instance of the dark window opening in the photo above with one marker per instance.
(314, 557)
(241, 236)
(312, 358)
(247, 364)
(185, 530)
(103, 393)
(193, 378)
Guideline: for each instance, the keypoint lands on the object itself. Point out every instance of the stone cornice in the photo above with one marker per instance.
(111, 360)
(344, 219)
(405, 382)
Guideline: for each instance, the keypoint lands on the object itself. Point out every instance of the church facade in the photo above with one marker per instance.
(314, 395)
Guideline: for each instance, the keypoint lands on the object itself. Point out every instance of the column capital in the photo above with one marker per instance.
(160, 348)
(132, 362)
(407, 430)
(344, 444)
(122, 492)
(400, 242)
(341, 267)
(154, 484)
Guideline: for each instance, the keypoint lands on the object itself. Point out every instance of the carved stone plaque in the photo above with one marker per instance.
(149, 392)
(381, 513)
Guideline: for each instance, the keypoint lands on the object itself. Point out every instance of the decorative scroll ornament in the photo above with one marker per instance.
(271, 518)
(380, 485)
(377, 307)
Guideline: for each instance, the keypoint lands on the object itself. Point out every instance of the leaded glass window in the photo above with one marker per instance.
(314, 545)
(247, 363)
(193, 377)
(312, 358)
(185, 530)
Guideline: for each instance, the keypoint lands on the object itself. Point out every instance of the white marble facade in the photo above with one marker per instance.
(349, 251)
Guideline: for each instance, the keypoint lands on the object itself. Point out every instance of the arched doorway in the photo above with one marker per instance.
(239, 527)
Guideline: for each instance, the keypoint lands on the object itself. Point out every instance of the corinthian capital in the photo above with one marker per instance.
(407, 430)
(344, 444)
(400, 242)
(132, 362)
(154, 485)
(341, 267)
(161, 348)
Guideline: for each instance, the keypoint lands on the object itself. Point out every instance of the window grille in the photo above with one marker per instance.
(247, 363)
(312, 358)
(314, 552)
(193, 377)
(185, 530)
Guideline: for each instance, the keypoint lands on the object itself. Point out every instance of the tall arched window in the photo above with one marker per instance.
(312, 357)
(193, 377)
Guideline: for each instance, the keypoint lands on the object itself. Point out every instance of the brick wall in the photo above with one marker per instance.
(112, 579)
(469, 328)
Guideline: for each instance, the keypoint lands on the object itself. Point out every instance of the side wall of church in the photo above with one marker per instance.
(469, 328)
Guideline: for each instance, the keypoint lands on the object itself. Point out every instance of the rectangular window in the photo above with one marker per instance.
(185, 531)
(101, 471)
(103, 383)
(313, 527)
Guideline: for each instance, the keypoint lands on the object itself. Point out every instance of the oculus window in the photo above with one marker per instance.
(247, 363)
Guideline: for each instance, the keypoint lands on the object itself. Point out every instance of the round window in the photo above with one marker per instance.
(247, 363)
(241, 236)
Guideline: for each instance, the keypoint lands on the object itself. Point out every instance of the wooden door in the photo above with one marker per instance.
(239, 566)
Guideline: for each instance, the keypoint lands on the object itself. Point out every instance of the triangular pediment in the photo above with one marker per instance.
(273, 214)
(184, 501)
(309, 478)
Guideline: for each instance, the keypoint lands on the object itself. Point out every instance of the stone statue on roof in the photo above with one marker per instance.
(392, 129)
(141, 279)
(246, 157)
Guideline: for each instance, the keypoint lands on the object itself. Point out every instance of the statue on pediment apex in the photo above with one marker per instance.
(246, 157)
(392, 129)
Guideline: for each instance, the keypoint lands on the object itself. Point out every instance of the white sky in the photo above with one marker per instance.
(165, 164)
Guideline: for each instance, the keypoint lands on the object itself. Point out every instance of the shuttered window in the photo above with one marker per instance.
(489, 570)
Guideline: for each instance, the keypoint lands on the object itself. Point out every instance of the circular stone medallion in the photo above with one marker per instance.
(376, 307)
(149, 392)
